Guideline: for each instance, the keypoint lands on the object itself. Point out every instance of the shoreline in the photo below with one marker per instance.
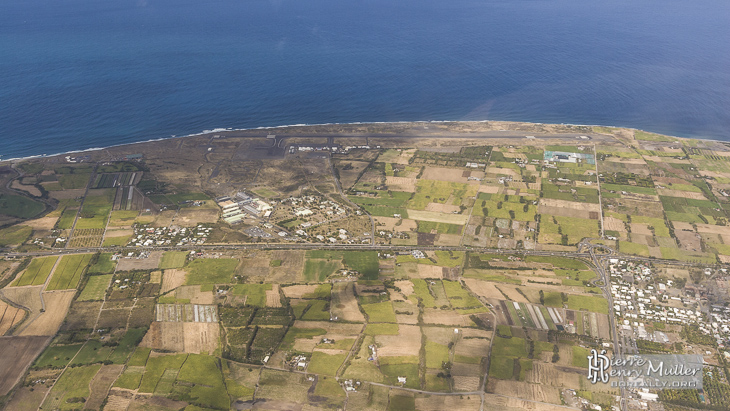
(227, 130)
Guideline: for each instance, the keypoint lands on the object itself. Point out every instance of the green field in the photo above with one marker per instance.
(435, 191)
(584, 302)
(293, 333)
(95, 288)
(96, 208)
(501, 367)
(57, 357)
(73, 384)
(129, 379)
(103, 264)
(156, 366)
(66, 221)
(420, 290)
(381, 329)
(558, 262)
(173, 259)
(318, 310)
(365, 262)
(37, 271)
(210, 271)
(208, 387)
(73, 181)
(633, 248)
(68, 272)
(380, 312)
(690, 256)
(139, 358)
(92, 353)
(509, 210)
(14, 235)
(122, 218)
(402, 403)
(491, 275)
(255, 293)
(127, 345)
(512, 347)
(322, 291)
(116, 241)
(319, 270)
(459, 297)
(393, 371)
(436, 355)
(553, 299)
(580, 356)
(441, 228)
(19, 206)
(325, 364)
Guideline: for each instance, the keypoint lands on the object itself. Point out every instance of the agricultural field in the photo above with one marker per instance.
(37, 272)
(210, 271)
(185, 324)
(95, 288)
(18, 206)
(96, 209)
(14, 235)
(173, 259)
(68, 272)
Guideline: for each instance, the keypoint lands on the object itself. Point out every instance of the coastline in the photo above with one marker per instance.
(356, 123)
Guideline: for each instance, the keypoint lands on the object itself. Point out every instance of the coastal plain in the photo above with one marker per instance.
(405, 266)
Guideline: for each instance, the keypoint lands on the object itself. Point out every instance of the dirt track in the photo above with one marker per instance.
(48, 322)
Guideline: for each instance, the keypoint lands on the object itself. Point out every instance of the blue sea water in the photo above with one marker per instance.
(76, 74)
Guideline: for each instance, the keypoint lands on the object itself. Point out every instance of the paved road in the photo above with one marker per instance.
(599, 262)
(316, 246)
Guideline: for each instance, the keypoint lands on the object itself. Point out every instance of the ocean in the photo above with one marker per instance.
(76, 74)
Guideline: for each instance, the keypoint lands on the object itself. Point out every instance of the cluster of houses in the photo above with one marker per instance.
(339, 236)
(307, 206)
(235, 209)
(298, 362)
(660, 303)
(145, 236)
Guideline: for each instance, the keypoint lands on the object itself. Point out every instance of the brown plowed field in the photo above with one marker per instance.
(534, 392)
(149, 263)
(9, 316)
(100, 385)
(119, 400)
(450, 402)
(182, 337)
(454, 175)
(344, 303)
(16, 355)
(48, 323)
(28, 297)
(401, 184)
(273, 299)
(443, 317)
(407, 342)
(171, 279)
(299, 291)
(542, 373)
(464, 383)
(515, 404)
